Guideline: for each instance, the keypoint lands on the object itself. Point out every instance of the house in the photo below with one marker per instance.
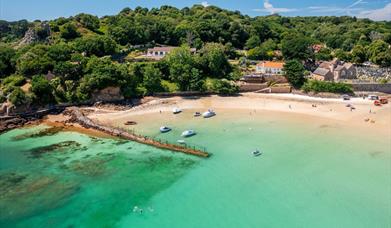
(322, 74)
(338, 69)
(270, 67)
(158, 53)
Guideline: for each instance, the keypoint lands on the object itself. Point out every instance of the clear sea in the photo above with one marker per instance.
(312, 173)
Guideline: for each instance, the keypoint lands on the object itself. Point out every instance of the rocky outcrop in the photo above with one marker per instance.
(36, 34)
(109, 94)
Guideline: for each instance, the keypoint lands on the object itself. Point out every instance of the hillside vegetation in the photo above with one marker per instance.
(86, 53)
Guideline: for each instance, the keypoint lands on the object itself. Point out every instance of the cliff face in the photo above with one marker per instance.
(36, 33)
(108, 94)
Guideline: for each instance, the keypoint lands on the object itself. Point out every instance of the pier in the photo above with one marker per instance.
(79, 117)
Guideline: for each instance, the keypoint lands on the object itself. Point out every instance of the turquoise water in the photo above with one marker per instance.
(312, 174)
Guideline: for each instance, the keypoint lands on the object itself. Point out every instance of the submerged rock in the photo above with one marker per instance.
(22, 195)
(44, 132)
(66, 145)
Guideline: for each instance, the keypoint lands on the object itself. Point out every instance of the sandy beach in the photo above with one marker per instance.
(365, 114)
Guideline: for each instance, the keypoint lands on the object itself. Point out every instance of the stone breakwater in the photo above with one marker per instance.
(78, 117)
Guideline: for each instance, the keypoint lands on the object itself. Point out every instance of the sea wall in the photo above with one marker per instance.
(372, 87)
(78, 116)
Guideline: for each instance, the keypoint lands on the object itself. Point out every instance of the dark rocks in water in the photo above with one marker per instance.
(91, 167)
(120, 142)
(12, 123)
(44, 132)
(24, 195)
(38, 151)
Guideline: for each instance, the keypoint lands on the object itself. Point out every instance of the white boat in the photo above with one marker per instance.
(180, 141)
(164, 129)
(208, 114)
(256, 153)
(176, 110)
(197, 114)
(188, 133)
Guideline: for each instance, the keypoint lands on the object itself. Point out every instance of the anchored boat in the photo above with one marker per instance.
(256, 153)
(208, 114)
(176, 110)
(188, 133)
(164, 129)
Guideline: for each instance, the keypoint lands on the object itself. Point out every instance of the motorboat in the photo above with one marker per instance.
(180, 141)
(188, 133)
(197, 114)
(164, 129)
(176, 110)
(256, 153)
(208, 114)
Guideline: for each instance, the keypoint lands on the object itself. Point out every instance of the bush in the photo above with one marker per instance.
(222, 86)
(330, 87)
(14, 80)
(18, 97)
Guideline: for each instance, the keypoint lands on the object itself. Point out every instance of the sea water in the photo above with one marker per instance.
(311, 174)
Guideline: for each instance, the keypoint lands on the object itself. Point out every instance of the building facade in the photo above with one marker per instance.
(270, 67)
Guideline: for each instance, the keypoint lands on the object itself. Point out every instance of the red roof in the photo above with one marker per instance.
(271, 64)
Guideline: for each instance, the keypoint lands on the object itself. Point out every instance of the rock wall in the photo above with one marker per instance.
(108, 94)
(372, 87)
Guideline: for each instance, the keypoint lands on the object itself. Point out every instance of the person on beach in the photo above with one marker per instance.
(290, 107)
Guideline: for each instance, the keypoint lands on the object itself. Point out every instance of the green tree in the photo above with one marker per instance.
(59, 52)
(252, 42)
(35, 61)
(41, 87)
(96, 45)
(18, 97)
(213, 60)
(7, 60)
(69, 31)
(359, 54)
(294, 46)
(152, 79)
(379, 53)
(88, 21)
(294, 73)
(324, 54)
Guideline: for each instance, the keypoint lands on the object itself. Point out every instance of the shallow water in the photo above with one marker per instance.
(312, 174)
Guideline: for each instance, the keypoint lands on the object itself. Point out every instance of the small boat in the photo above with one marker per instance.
(164, 129)
(188, 133)
(130, 123)
(256, 153)
(180, 141)
(176, 110)
(197, 114)
(208, 114)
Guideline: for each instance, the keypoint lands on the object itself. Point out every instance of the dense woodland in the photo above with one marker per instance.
(86, 53)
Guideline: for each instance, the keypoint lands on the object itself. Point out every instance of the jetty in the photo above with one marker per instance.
(79, 117)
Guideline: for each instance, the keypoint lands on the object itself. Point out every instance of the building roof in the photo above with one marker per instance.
(271, 64)
(165, 49)
(321, 71)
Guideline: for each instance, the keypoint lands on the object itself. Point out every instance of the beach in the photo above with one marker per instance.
(364, 115)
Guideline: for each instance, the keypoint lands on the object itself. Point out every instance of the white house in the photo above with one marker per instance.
(160, 52)
(270, 67)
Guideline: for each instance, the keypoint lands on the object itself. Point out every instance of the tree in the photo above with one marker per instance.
(253, 42)
(96, 45)
(294, 73)
(41, 87)
(68, 70)
(35, 61)
(152, 79)
(359, 54)
(213, 60)
(324, 54)
(88, 21)
(59, 52)
(69, 31)
(379, 53)
(18, 97)
(296, 47)
(7, 61)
